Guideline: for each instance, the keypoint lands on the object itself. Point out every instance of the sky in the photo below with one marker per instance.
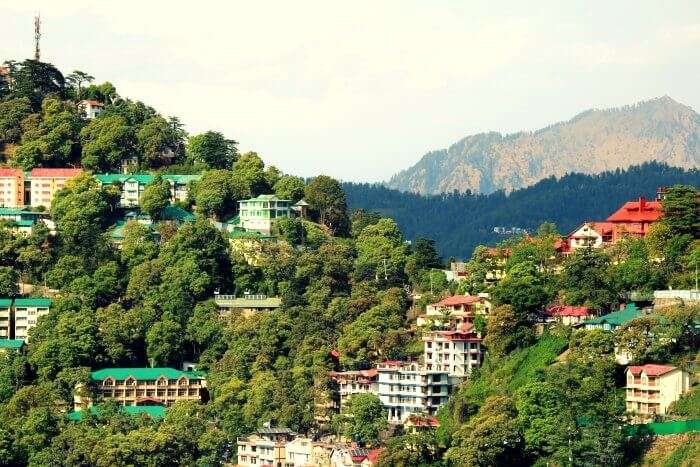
(360, 90)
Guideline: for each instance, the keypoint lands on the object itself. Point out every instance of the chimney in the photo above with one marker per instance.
(642, 202)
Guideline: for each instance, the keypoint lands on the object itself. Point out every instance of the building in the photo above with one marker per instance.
(26, 312)
(406, 388)
(455, 352)
(265, 447)
(132, 186)
(461, 308)
(591, 235)
(155, 412)
(664, 298)
(248, 304)
(567, 315)
(5, 318)
(91, 107)
(11, 188)
(46, 182)
(299, 452)
(635, 217)
(301, 209)
(355, 382)
(145, 386)
(11, 345)
(613, 320)
(180, 185)
(418, 423)
(259, 214)
(651, 388)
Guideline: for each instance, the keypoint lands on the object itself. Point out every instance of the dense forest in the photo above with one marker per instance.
(459, 222)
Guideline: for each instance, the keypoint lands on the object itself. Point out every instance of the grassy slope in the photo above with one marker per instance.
(673, 451)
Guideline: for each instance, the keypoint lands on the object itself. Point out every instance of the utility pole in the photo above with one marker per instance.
(37, 36)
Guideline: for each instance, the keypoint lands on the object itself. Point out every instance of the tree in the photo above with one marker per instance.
(76, 79)
(8, 281)
(366, 418)
(290, 187)
(155, 140)
(585, 280)
(327, 202)
(213, 149)
(506, 329)
(523, 289)
(106, 140)
(36, 80)
(381, 254)
(164, 343)
(12, 113)
(138, 245)
(155, 198)
(214, 194)
(359, 219)
(248, 177)
(425, 254)
(681, 207)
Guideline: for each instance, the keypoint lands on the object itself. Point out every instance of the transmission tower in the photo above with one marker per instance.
(37, 36)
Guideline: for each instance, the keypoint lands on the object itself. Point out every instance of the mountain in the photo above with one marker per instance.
(460, 222)
(594, 141)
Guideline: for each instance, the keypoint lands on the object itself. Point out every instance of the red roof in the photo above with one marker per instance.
(651, 369)
(374, 455)
(4, 172)
(459, 300)
(417, 420)
(55, 173)
(92, 102)
(567, 310)
(637, 211)
(335, 353)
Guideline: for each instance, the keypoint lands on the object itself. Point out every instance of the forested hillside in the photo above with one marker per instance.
(459, 222)
(594, 141)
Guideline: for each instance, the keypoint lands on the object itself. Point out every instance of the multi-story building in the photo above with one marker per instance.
(455, 352)
(27, 312)
(299, 452)
(407, 388)
(461, 309)
(259, 214)
(179, 185)
(265, 447)
(11, 188)
(133, 185)
(591, 235)
(355, 382)
(46, 182)
(91, 107)
(248, 305)
(5, 318)
(651, 389)
(145, 386)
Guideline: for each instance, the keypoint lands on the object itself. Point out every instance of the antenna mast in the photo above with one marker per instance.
(37, 36)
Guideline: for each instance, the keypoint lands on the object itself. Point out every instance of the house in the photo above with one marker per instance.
(406, 388)
(45, 183)
(591, 235)
(567, 314)
(91, 107)
(248, 304)
(455, 352)
(664, 298)
(145, 386)
(301, 209)
(265, 447)
(354, 456)
(635, 217)
(132, 186)
(24, 219)
(11, 188)
(613, 320)
(179, 185)
(5, 318)
(652, 388)
(496, 260)
(461, 308)
(299, 452)
(27, 312)
(259, 214)
(355, 382)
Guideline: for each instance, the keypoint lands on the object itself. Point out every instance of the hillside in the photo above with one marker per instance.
(459, 222)
(594, 141)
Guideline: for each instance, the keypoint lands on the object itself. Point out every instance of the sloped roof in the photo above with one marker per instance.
(156, 412)
(651, 369)
(618, 318)
(11, 344)
(459, 300)
(176, 213)
(34, 301)
(148, 374)
(567, 310)
(55, 173)
(111, 178)
(637, 211)
(6, 172)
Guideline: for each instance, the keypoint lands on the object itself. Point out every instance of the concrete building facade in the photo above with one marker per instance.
(26, 312)
(651, 388)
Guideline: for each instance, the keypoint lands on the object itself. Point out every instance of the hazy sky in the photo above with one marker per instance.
(362, 89)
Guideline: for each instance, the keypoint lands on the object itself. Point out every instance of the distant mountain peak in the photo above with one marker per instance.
(659, 129)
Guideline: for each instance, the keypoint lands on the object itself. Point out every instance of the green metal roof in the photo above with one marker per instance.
(13, 211)
(5, 302)
(265, 198)
(156, 412)
(11, 343)
(121, 178)
(618, 318)
(176, 213)
(25, 223)
(244, 302)
(235, 220)
(148, 374)
(34, 301)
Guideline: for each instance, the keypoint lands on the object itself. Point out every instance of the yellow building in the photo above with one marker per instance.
(11, 188)
(266, 447)
(46, 182)
(145, 386)
(651, 389)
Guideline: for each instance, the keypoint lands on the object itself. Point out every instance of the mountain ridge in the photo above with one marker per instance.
(594, 140)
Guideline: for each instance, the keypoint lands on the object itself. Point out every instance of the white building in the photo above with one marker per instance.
(259, 214)
(91, 107)
(27, 312)
(355, 382)
(591, 235)
(265, 447)
(406, 388)
(651, 389)
(299, 452)
(5, 315)
(456, 352)
(461, 308)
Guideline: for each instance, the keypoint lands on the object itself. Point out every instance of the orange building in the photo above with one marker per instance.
(11, 188)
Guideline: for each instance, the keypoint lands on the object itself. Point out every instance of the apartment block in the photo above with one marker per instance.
(11, 188)
(259, 214)
(46, 182)
(461, 309)
(456, 352)
(355, 382)
(145, 386)
(5, 318)
(133, 185)
(27, 312)
(265, 447)
(407, 388)
(651, 389)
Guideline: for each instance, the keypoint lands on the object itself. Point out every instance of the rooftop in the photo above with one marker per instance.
(156, 412)
(567, 310)
(459, 300)
(5, 172)
(638, 211)
(148, 374)
(34, 302)
(11, 343)
(618, 318)
(55, 173)
(651, 369)
(251, 301)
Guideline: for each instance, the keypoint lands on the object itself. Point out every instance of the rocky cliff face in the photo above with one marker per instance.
(594, 141)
